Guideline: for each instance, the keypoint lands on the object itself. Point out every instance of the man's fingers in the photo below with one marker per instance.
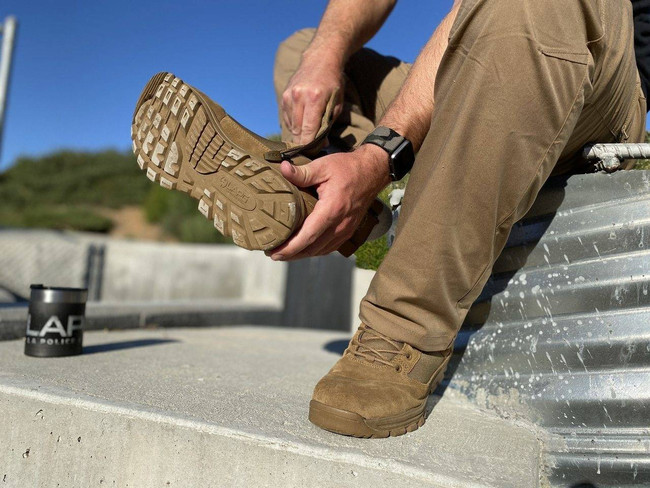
(296, 114)
(321, 246)
(302, 176)
(338, 108)
(303, 108)
(287, 108)
(316, 225)
(286, 119)
(328, 242)
(311, 119)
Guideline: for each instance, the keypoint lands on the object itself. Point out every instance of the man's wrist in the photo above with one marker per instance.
(377, 161)
(406, 130)
(327, 56)
(407, 120)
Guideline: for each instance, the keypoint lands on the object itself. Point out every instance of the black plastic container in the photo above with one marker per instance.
(55, 321)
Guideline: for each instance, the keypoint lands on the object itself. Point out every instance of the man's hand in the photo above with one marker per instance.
(346, 183)
(345, 27)
(306, 96)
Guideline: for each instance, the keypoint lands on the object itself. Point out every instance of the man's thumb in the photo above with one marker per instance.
(301, 176)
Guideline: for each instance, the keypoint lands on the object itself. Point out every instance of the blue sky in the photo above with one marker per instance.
(80, 65)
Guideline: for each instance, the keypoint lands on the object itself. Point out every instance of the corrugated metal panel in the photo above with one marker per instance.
(561, 333)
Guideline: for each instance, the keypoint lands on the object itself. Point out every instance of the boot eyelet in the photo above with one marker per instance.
(409, 356)
(398, 368)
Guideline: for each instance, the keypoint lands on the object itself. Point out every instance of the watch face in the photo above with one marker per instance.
(402, 160)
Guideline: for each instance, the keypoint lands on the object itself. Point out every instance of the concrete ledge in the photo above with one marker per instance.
(135, 315)
(226, 407)
(158, 449)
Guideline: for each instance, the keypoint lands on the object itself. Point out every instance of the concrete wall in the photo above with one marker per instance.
(361, 279)
(55, 258)
(155, 271)
(313, 293)
(123, 270)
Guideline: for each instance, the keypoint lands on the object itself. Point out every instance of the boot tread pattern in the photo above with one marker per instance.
(178, 146)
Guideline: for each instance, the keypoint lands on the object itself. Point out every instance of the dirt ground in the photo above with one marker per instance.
(131, 223)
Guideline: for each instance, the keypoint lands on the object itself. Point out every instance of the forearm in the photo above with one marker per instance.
(345, 27)
(410, 112)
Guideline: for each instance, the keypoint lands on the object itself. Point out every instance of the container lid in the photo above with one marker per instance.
(57, 294)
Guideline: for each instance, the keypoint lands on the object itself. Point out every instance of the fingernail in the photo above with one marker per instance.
(277, 257)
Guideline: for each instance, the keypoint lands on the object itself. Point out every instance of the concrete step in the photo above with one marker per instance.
(227, 407)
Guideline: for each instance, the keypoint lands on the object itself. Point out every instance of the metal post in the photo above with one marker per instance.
(8, 30)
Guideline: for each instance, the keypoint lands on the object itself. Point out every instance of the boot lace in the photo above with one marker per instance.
(375, 346)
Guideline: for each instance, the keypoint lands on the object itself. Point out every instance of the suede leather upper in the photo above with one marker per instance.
(373, 389)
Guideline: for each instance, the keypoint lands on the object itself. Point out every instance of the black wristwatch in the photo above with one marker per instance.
(398, 148)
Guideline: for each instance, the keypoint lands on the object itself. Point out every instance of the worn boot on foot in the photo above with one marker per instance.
(379, 388)
(185, 141)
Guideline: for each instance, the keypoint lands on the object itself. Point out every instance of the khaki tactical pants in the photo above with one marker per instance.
(523, 85)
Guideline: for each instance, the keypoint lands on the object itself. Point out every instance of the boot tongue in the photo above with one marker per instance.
(371, 341)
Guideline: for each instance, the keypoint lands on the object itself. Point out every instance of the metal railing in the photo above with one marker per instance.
(8, 30)
(609, 157)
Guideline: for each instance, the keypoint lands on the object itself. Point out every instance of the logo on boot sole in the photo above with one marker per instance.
(237, 192)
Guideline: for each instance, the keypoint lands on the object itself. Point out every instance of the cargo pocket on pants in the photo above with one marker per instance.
(573, 57)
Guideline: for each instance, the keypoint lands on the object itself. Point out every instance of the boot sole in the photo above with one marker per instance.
(352, 424)
(180, 144)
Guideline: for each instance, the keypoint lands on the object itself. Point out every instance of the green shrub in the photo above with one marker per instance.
(107, 178)
(178, 214)
(59, 217)
(371, 254)
(196, 228)
(157, 203)
(59, 190)
(643, 163)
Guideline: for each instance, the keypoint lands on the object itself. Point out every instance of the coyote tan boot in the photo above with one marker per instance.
(185, 141)
(379, 388)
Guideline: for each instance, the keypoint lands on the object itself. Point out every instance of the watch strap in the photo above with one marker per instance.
(386, 138)
(399, 149)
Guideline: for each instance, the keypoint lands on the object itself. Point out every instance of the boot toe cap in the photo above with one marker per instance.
(371, 399)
